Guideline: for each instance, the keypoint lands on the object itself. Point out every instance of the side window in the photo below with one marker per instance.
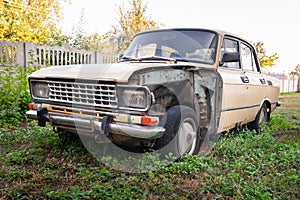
(230, 45)
(247, 57)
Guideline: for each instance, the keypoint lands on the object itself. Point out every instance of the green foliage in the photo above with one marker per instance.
(14, 94)
(76, 39)
(290, 94)
(279, 122)
(131, 21)
(29, 21)
(248, 165)
(290, 105)
(264, 59)
(296, 71)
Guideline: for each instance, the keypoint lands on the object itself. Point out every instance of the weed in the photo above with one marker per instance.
(14, 94)
(247, 165)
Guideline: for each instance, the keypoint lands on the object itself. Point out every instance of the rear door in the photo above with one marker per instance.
(257, 85)
(235, 86)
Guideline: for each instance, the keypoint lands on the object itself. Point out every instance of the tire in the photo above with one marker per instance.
(261, 119)
(182, 132)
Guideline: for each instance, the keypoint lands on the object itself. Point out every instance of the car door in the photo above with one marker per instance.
(256, 86)
(235, 85)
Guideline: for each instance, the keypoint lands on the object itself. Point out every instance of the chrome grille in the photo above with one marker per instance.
(100, 95)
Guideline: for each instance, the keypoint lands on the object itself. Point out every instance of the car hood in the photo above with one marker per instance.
(117, 72)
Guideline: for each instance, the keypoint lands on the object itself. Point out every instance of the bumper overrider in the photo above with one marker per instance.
(105, 126)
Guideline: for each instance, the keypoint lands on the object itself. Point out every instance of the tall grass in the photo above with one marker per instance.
(14, 94)
(36, 164)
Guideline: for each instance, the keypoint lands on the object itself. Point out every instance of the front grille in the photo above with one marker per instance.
(99, 95)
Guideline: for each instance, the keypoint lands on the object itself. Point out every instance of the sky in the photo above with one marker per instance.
(276, 23)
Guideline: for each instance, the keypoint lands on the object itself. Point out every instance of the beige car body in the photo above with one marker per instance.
(242, 102)
(222, 97)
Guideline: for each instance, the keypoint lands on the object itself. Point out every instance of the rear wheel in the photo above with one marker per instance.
(261, 119)
(182, 135)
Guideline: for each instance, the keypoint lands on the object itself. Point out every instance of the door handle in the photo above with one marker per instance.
(263, 81)
(245, 79)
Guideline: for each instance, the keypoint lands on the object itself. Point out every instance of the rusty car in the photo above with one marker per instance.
(172, 89)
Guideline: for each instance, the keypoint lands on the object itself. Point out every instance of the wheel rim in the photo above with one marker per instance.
(187, 136)
(263, 116)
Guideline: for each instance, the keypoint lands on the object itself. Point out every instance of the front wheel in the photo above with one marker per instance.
(261, 119)
(182, 135)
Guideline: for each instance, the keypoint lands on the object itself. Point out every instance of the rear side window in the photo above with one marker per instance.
(247, 57)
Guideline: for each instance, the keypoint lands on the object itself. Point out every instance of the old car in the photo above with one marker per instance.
(173, 89)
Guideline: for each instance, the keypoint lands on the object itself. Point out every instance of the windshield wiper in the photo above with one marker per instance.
(129, 58)
(158, 58)
(154, 58)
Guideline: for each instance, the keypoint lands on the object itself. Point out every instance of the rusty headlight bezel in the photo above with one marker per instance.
(137, 98)
(39, 89)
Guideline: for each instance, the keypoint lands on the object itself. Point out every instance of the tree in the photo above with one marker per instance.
(294, 73)
(297, 69)
(103, 43)
(131, 22)
(264, 59)
(29, 20)
(78, 38)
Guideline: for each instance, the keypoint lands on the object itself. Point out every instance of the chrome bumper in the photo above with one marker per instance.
(93, 125)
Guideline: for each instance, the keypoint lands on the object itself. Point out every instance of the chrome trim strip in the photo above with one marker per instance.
(239, 108)
(278, 103)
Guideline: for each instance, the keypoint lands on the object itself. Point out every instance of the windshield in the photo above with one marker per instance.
(180, 45)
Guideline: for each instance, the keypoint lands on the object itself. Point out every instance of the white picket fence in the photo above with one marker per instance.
(289, 83)
(24, 54)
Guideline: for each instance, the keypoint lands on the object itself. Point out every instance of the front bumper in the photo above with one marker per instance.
(81, 124)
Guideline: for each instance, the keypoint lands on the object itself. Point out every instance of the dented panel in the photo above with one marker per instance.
(164, 76)
(208, 100)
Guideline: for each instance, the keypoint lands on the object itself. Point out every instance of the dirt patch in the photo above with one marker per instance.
(283, 133)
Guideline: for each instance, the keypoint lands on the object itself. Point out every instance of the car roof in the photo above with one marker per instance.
(217, 31)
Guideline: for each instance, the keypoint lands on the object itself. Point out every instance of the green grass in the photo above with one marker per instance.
(35, 164)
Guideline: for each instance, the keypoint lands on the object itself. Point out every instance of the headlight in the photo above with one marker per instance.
(133, 98)
(40, 90)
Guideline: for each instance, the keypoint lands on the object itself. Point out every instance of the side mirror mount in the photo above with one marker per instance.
(230, 57)
(120, 56)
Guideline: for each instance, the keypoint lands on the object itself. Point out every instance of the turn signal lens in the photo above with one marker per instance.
(30, 106)
(34, 106)
(146, 120)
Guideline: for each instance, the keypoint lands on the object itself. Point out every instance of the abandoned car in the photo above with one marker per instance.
(172, 88)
